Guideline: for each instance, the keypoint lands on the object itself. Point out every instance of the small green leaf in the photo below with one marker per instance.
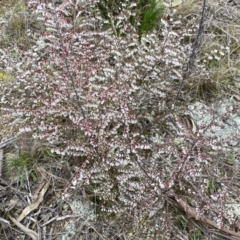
(211, 187)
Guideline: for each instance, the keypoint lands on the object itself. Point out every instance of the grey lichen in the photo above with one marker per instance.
(86, 214)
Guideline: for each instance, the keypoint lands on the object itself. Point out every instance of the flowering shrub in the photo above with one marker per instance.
(106, 99)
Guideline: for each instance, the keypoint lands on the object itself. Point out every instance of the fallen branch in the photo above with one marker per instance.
(35, 204)
(192, 213)
(33, 235)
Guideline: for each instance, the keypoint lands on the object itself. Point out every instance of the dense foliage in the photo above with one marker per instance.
(99, 82)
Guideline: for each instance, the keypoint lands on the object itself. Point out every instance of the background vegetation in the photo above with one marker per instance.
(119, 119)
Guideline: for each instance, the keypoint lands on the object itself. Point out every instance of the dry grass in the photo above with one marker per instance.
(219, 54)
(16, 20)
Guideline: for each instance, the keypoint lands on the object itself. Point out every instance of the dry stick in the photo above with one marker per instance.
(191, 213)
(4, 220)
(6, 142)
(1, 161)
(224, 236)
(35, 204)
(195, 47)
(33, 235)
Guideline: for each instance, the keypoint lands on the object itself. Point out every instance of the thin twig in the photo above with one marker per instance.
(7, 142)
(112, 24)
(1, 161)
(66, 63)
(57, 218)
(195, 47)
(5, 221)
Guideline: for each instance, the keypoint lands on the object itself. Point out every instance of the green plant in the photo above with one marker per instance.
(232, 158)
(7, 38)
(212, 186)
(150, 14)
(144, 14)
(188, 227)
(19, 164)
(111, 7)
(196, 234)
